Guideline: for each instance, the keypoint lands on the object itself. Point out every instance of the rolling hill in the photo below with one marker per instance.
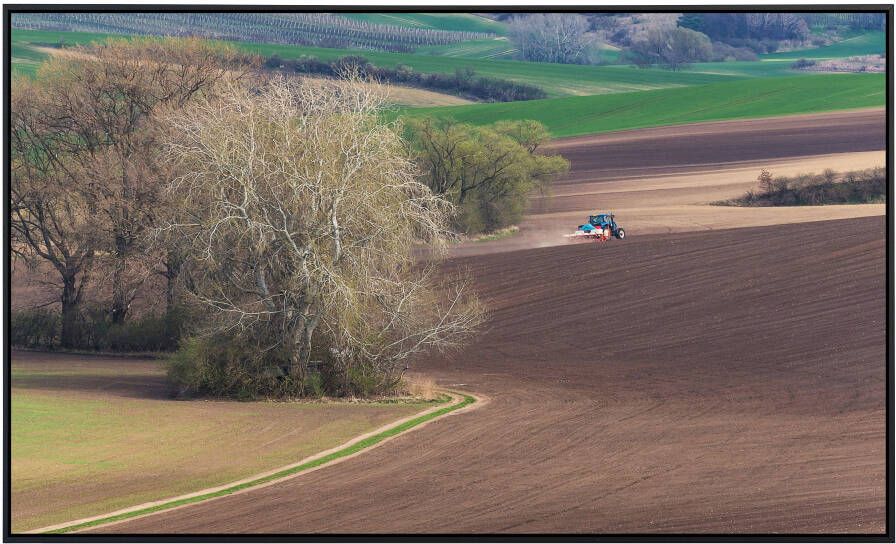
(760, 97)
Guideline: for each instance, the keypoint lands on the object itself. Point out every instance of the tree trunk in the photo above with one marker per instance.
(120, 304)
(172, 270)
(69, 337)
(169, 294)
(301, 355)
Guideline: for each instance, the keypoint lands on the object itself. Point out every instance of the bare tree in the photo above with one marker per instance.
(303, 213)
(553, 37)
(674, 48)
(51, 219)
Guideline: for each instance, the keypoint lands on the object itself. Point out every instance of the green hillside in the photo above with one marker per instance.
(25, 56)
(437, 21)
(869, 43)
(493, 48)
(555, 79)
(764, 97)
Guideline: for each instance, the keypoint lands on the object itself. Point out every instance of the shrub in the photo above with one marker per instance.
(858, 187)
(802, 63)
(41, 329)
(151, 333)
(34, 328)
(237, 366)
(722, 52)
(220, 366)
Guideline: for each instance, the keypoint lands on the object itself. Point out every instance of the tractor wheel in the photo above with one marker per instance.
(620, 233)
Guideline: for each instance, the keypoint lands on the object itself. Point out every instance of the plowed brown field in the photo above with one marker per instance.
(705, 381)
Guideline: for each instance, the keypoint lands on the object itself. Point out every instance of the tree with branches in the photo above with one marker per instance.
(553, 37)
(674, 48)
(88, 164)
(488, 172)
(304, 219)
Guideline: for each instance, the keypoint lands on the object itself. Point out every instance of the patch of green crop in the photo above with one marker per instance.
(485, 58)
(761, 97)
(868, 43)
(556, 79)
(436, 21)
(493, 48)
(25, 55)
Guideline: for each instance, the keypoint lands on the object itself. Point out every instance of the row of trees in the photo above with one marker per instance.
(735, 28)
(853, 21)
(828, 187)
(463, 82)
(289, 219)
(86, 164)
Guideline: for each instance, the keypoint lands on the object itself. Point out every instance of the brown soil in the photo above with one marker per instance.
(726, 381)
(705, 381)
(685, 148)
(662, 180)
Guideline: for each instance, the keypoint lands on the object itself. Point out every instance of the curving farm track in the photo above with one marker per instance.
(707, 381)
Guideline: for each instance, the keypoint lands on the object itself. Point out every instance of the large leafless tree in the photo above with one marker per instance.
(553, 37)
(303, 213)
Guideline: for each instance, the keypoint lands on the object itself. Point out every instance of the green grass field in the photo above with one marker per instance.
(483, 56)
(437, 21)
(557, 79)
(94, 434)
(25, 58)
(721, 90)
(763, 97)
(869, 43)
(493, 48)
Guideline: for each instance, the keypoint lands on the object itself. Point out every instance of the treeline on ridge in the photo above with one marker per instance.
(463, 82)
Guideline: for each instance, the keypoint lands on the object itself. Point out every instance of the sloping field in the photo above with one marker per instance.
(760, 97)
(870, 43)
(555, 79)
(689, 148)
(467, 22)
(662, 180)
(495, 48)
(728, 381)
(26, 46)
(92, 434)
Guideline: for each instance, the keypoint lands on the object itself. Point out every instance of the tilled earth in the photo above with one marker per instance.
(708, 381)
(726, 381)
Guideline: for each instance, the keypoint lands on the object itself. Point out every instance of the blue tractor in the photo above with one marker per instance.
(600, 227)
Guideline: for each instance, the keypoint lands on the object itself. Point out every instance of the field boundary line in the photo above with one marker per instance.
(458, 402)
